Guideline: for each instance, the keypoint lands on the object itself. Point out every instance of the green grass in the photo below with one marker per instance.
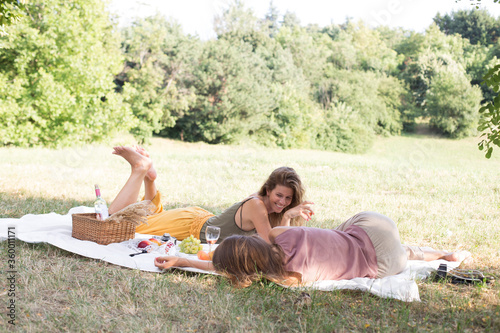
(441, 193)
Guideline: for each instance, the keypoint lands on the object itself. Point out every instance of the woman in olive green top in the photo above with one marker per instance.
(279, 202)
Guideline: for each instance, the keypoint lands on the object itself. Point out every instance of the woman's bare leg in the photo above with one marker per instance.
(429, 254)
(149, 180)
(450, 256)
(140, 166)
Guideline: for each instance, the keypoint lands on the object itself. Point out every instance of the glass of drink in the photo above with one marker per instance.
(212, 235)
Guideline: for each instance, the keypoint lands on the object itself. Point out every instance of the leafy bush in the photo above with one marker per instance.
(292, 123)
(342, 129)
(56, 76)
(452, 103)
(376, 97)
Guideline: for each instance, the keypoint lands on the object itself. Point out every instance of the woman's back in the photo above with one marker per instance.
(320, 254)
(226, 221)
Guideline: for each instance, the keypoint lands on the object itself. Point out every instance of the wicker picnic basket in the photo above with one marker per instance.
(88, 227)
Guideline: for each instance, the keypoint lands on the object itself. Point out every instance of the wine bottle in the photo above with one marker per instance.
(101, 208)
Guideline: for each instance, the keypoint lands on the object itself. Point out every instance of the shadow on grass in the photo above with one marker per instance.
(18, 204)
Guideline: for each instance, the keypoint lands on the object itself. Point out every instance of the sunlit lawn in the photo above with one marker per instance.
(441, 193)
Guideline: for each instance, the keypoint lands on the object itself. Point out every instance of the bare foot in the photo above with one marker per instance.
(151, 175)
(460, 256)
(138, 162)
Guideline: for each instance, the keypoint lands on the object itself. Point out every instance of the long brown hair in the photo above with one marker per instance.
(284, 176)
(244, 259)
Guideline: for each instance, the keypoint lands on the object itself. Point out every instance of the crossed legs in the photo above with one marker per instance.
(142, 170)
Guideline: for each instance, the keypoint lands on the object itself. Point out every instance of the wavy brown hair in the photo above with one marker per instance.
(284, 176)
(244, 259)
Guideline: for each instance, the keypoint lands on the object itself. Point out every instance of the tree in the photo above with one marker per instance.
(233, 95)
(154, 81)
(290, 20)
(442, 93)
(57, 67)
(478, 26)
(371, 51)
(309, 51)
(270, 21)
(343, 129)
(236, 22)
(293, 123)
(375, 98)
(451, 101)
(436, 74)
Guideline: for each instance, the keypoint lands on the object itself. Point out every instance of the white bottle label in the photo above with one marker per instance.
(102, 212)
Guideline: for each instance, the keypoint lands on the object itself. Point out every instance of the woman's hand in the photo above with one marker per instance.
(303, 210)
(167, 262)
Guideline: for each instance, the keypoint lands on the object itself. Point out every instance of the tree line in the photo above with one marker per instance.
(69, 75)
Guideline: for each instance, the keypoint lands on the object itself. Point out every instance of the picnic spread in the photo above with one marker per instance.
(57, 230)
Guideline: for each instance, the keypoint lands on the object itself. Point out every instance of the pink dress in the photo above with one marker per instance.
(324, 254)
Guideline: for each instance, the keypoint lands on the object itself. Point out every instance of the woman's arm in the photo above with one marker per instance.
(277, 231)
(170, 261)
(303, 210)
(255, 216)
(256, 212)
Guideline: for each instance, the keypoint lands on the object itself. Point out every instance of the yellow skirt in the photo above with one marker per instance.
(179, 223)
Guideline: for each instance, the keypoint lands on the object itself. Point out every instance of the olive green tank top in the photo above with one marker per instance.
(226, 221)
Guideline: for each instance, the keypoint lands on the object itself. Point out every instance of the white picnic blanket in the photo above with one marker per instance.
(56, 229)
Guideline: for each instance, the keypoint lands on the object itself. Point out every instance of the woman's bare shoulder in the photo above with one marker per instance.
(254, 199)
(255, 202)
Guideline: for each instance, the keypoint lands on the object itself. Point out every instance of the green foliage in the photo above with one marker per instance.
(478, 59)
(357, 47)
(11, 11)
(410, 47)
(294, 121)
(309, 51)
(478, 26)
(343, 52)
(290, 122)
(236, 22)
(376, 97)
(270, 21)
(63, 78)
(290, 20)
(372, 53)
(233, 95)
(342, 130)
(441, 89)
(159, 61)
(452, 102)
(437, 42)
(482, 30)
(489, 122)
(56, 76)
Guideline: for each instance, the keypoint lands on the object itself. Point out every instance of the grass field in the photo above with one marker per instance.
(441, 193)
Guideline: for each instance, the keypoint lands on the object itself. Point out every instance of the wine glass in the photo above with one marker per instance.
(212, 235)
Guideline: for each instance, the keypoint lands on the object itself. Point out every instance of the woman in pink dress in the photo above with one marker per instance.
(366, 245)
